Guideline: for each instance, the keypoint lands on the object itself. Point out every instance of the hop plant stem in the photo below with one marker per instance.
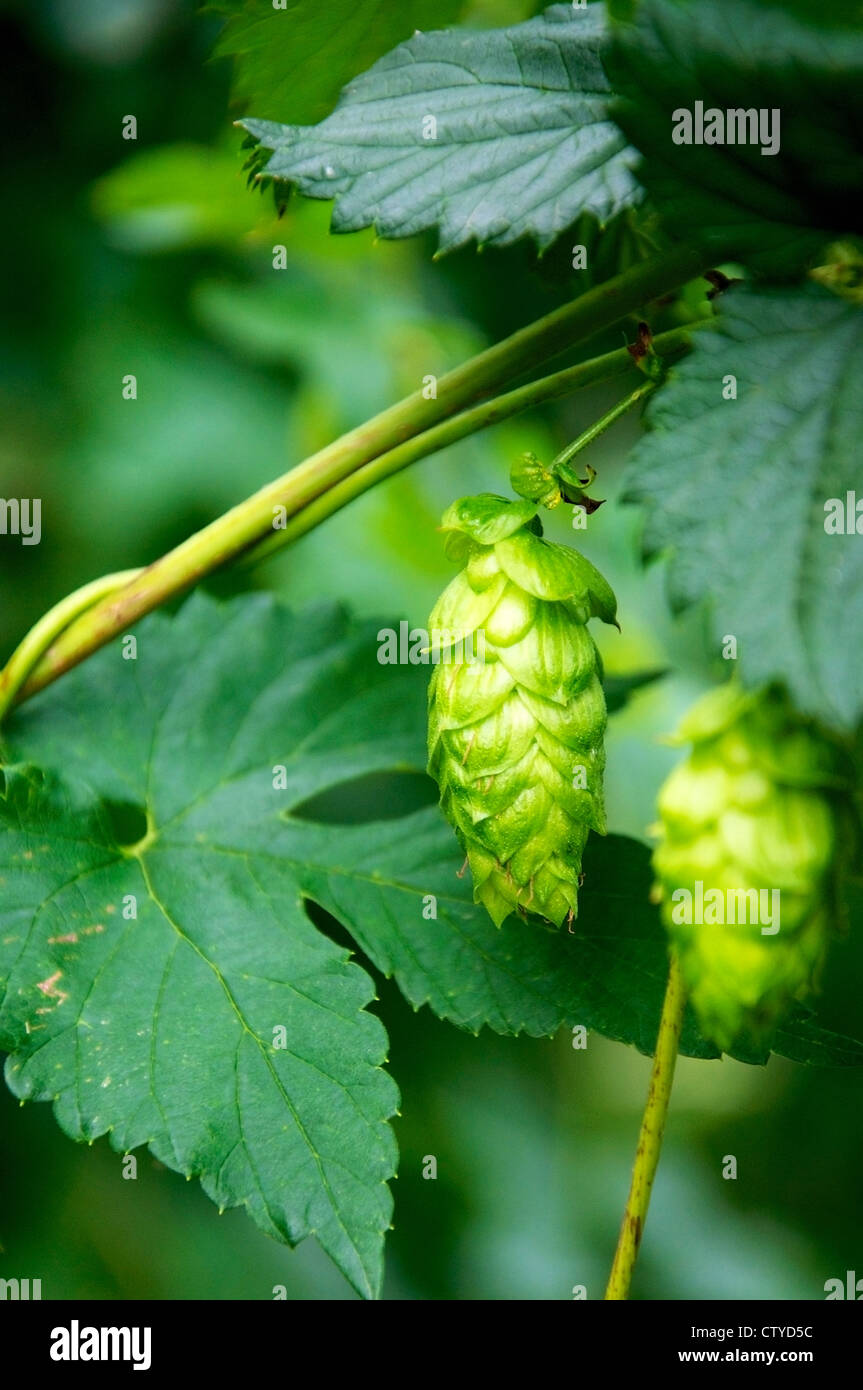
(124, 604)
(245, 526)
(605, 422)
(30, 651)
(650, 1137)
(611, 365)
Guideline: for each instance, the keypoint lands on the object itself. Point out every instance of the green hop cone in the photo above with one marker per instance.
(516, 709)
(750, 823)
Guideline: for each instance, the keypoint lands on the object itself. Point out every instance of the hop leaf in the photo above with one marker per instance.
(750, 823)
(516, 709)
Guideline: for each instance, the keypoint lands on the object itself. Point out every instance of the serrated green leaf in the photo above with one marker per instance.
(739, 490)
(291, 63)
(609, 974)
(773, 210)
(804, 1041)
(158, 1029)
(520, 145)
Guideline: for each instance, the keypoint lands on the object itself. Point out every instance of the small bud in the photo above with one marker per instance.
(530, 479)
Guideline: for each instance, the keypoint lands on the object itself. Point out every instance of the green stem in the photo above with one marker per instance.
(650, 1138)
(605, 368)
(49, 627)
(251, 522)
(601, 425)
(599, 369)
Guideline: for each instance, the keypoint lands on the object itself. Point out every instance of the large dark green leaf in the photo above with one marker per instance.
(608, 973)
(736, 490)
(773, 209)
(159, 1028)
(487, 136)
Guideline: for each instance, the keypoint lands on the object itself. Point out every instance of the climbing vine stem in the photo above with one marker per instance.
(650, 1137)
(608, 367)
(30, 651)
(404, 432)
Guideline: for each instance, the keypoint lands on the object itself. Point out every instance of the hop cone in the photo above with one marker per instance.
(752, 807)
(515, 739)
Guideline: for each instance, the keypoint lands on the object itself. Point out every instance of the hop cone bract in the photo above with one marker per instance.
(516, 738)
(753, 807)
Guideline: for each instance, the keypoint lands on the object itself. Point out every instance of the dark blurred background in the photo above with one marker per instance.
(151, 257)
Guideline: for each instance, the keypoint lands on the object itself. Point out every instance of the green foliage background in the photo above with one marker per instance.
(125, 260)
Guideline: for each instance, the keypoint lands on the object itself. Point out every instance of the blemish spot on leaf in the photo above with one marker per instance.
(51, 989)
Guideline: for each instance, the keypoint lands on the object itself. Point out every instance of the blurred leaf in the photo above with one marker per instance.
(202, 433)
(303, 325)
(322, 325)
(773, 210)
(177, 196)
(160, 1029)
(618, 689)
(291, 63)
(112, 33)
(488, 136)
(737, 489)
